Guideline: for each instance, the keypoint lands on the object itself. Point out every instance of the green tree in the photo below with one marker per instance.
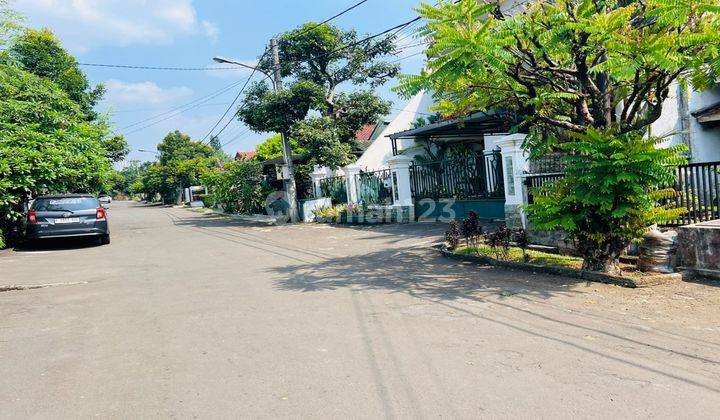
(237, 186)
(10, 24)
(181, 164)
(217, 146)
(40, 53)
(177, 146)
(319, 61)
(46, 143)
(272, 148)
(116, 148)
(576, 69)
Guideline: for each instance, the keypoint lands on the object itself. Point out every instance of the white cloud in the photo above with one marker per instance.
(86, 24)
(211, 31)
(121, 93)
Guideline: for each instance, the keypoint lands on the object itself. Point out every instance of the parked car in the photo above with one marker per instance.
(67, 215)
(105, 199)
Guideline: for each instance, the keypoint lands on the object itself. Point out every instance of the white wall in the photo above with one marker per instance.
(704, 142)
(377, 155)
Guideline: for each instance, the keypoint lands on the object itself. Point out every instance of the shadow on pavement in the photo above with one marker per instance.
(59, 244)
(434, 279)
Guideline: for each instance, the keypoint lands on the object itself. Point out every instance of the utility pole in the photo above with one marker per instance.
(290, 187)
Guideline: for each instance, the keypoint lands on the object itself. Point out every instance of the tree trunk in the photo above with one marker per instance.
(603, 257)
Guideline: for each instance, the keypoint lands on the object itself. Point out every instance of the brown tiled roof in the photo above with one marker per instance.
(364, 135)
(245, 155)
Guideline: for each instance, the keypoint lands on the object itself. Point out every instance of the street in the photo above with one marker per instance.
(189, 315)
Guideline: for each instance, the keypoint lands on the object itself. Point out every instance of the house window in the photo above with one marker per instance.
(510, 175)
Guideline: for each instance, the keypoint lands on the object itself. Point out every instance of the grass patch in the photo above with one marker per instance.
(533, 257)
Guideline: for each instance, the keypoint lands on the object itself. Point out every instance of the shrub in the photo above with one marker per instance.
(499, 241)
(237, 186)
(520, 236)
(610, 195)
(452, 235)
(2, 240)
(327, 214)
(471, 229)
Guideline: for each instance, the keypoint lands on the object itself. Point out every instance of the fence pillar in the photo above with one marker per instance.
(403, 206)
(318, 174)
(515, 164)
(351, 173)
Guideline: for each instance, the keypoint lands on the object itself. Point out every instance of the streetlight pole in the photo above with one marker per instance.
(276, 79)
(290, 186)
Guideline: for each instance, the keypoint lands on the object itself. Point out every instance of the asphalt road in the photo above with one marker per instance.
(185, 315)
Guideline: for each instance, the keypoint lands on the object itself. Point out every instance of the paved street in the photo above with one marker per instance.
(186, 315)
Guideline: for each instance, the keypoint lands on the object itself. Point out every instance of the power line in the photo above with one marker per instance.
(260, 60)
(202, 99)
(130, 111)
(173, 115)
(124, 66)
(331, 18)
(233, 103)
(407, 56)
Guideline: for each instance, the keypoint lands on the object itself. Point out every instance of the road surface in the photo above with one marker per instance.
(186, 315)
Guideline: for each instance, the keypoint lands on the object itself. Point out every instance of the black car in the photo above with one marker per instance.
(65, 216)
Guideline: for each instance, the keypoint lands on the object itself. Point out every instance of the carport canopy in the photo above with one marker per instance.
(477, 124)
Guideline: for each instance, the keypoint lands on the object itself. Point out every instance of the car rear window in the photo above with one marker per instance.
(64, 204)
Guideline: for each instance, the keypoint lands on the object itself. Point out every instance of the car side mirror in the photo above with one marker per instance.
(106, 206)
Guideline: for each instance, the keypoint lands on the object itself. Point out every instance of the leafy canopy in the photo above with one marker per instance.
(568, 65)
(237, 186)
(610, 192)
(585, 77)
(46, 143)
(319, 70)
(272, 148)
(40, 53)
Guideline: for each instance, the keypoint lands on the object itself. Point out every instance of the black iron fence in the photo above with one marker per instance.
(552, 163)
(534, 184)
(697, 184)
(698, 187)
(374, 187)
(475, 177)
(335, 188)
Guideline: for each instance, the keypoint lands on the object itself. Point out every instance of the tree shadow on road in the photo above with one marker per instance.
(432, 278)
(419, 271)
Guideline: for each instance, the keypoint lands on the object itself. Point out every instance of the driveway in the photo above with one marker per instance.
(186, 315)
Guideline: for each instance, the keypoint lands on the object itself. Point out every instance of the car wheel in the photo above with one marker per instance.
(105, 239)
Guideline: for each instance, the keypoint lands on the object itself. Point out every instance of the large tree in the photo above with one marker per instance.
(583, 76)
(41, 53)
(321, 63)
(181, 164)
(46, 143)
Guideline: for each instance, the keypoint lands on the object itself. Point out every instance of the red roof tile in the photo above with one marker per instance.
(246, 155)
(364, 135)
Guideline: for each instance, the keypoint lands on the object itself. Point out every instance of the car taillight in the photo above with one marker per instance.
(32, 217)
(100, 214)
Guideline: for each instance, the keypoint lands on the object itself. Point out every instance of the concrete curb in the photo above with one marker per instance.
(255, 218)
(629, 282)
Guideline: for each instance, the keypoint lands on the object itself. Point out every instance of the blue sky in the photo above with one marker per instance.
(189, 33)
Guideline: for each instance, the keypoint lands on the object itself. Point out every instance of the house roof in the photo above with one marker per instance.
(369, 133)
(478, 123)
(709, 114)
(247, 155)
